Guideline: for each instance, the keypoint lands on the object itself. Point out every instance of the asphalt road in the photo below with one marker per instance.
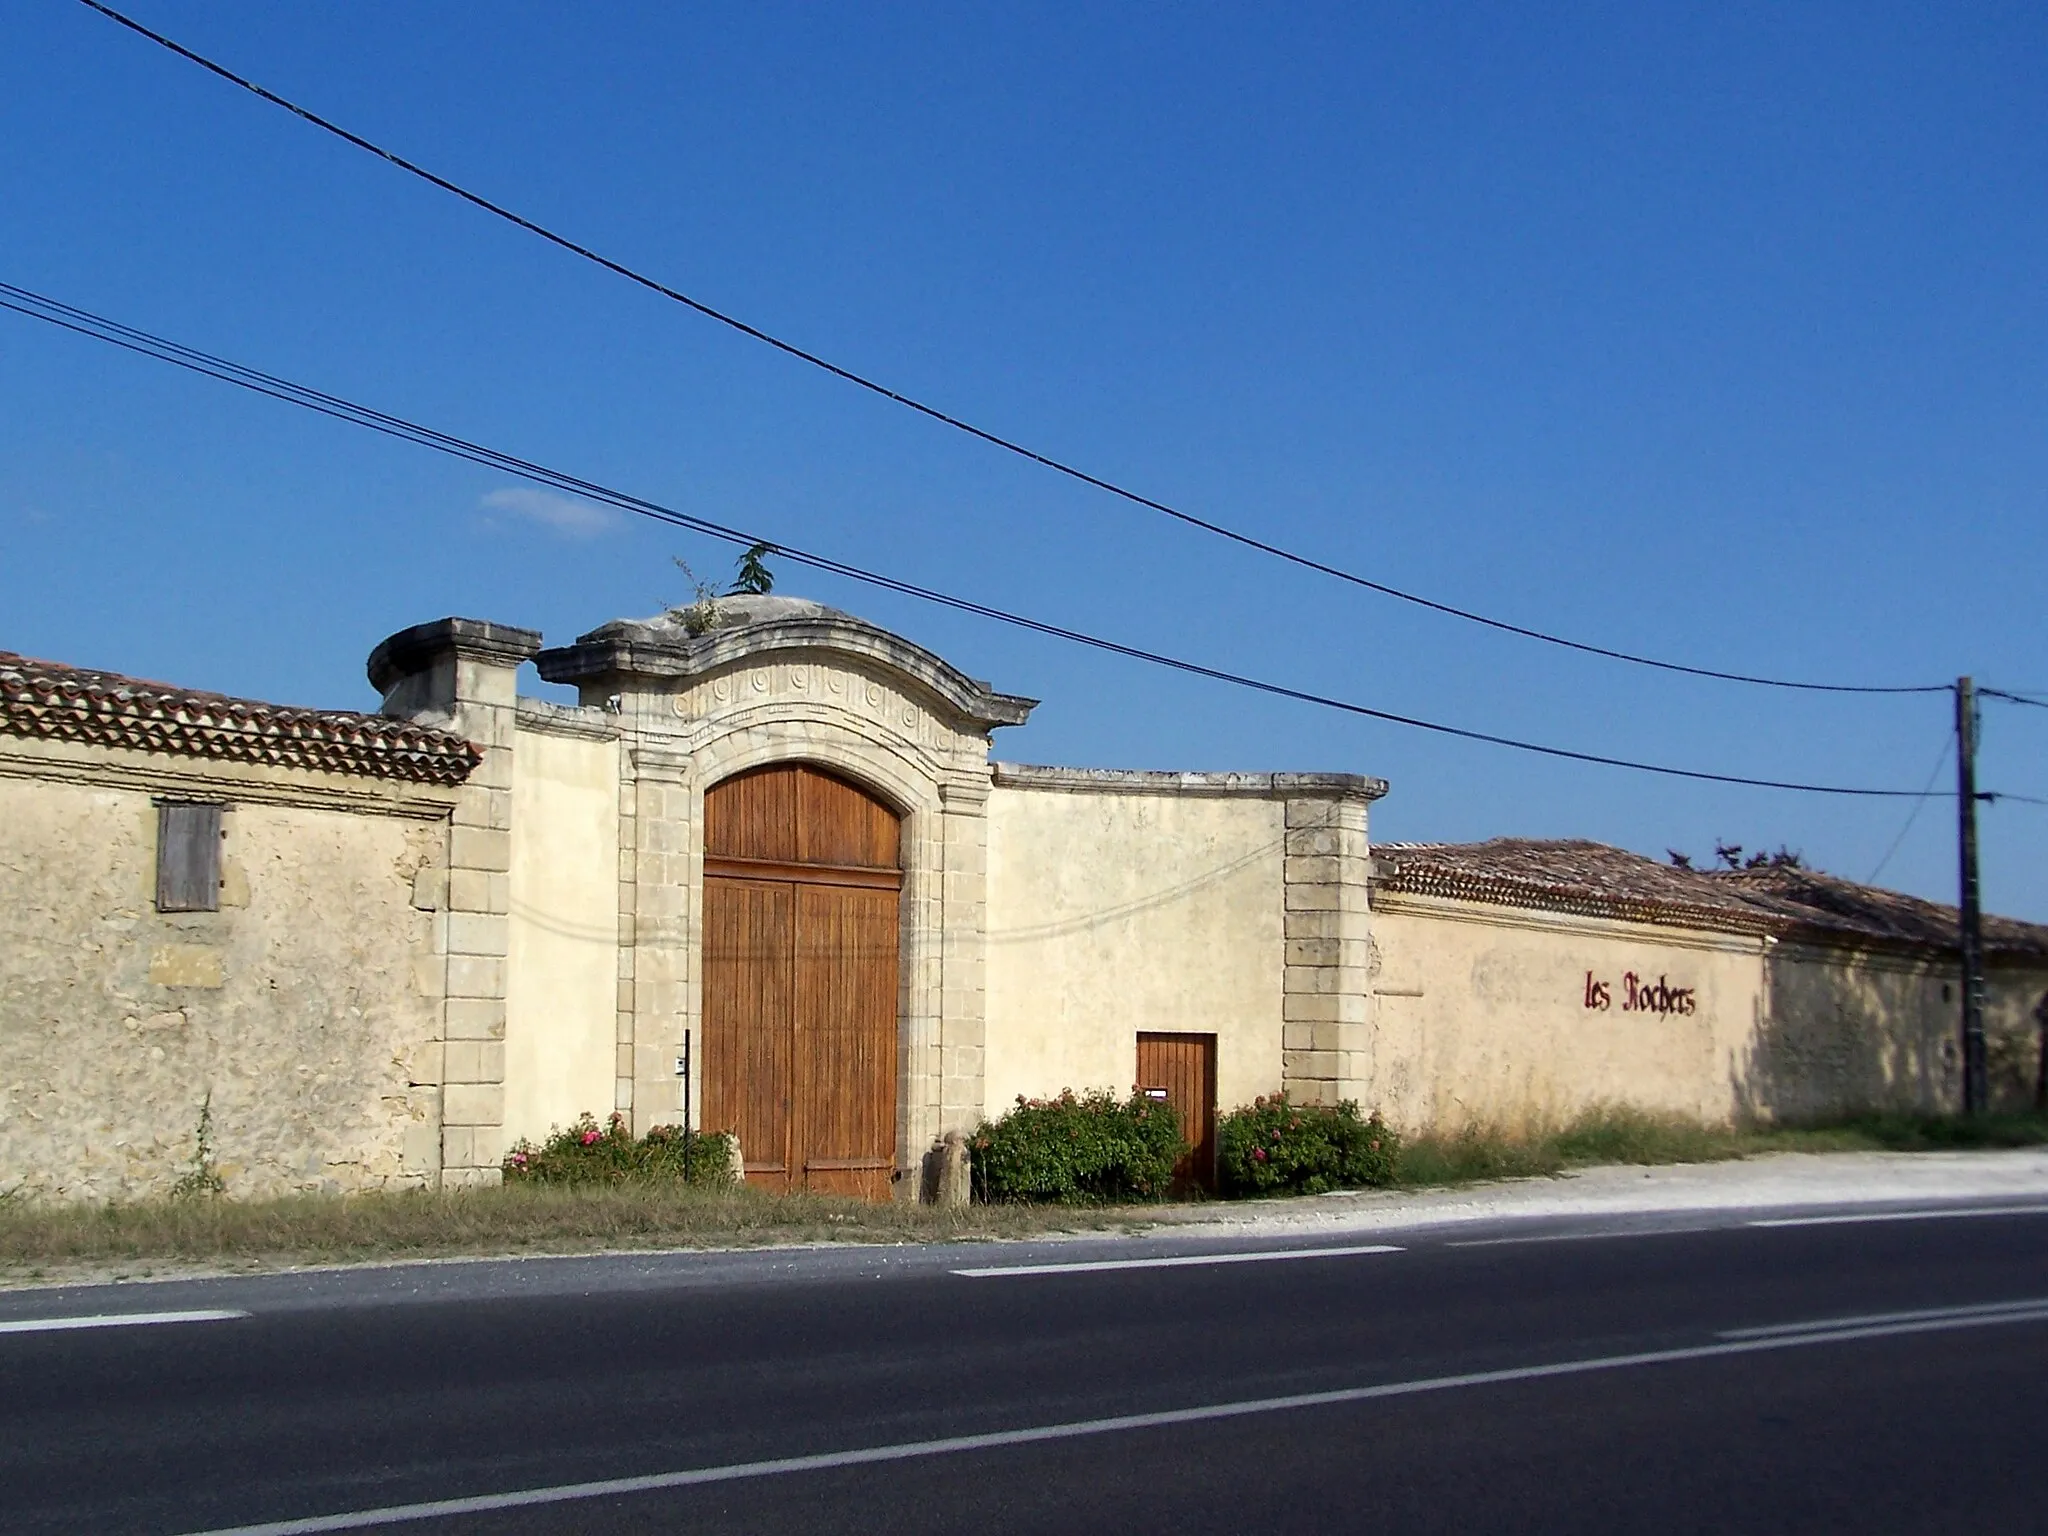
(1863, 1375)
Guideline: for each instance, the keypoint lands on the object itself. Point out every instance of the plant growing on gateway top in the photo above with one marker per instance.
(1078, 1149)
(1275, 1146)
(589, 1153)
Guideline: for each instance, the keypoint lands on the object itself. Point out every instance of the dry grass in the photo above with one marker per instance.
(1631, 1136)
(45, 1240)
(206, 1233)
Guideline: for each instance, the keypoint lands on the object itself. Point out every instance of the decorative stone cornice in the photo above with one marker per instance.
(413, 650)
(52, 702)
(1130, 781)
(750, 629)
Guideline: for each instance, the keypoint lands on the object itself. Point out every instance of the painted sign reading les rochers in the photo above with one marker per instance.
(1639, 995)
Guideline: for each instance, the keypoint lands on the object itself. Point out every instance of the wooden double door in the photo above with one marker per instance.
(803, 880)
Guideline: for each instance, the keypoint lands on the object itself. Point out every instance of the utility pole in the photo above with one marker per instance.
(1975, 1088)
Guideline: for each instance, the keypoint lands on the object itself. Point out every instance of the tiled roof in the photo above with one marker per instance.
(1595, 880)
(58, 703)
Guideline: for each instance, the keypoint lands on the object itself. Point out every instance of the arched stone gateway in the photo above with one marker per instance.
(796, 781)
(802, 881)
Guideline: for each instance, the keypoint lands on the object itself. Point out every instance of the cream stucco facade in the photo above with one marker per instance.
(472, 917)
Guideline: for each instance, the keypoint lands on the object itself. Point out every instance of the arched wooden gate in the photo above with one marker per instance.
(803, 875)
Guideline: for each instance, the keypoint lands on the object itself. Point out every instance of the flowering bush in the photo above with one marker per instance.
(1073, 1149)
(589, 1153)
(1274, 1146)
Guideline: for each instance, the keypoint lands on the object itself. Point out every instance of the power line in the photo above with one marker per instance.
(1948, 745)
(84, 322)
(2013, 697)
(934, 413)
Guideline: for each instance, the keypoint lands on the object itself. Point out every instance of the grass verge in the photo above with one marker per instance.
(46, 1241)
(1631, 1136)
(40, 1240)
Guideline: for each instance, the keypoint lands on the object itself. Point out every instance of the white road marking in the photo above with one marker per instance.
(1988, 1311)
(1179, 1261)
(113, 1320)
(1841, 1330)
(1571, 1237)
(1937, 1214)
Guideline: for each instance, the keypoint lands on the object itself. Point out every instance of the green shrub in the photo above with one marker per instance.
(1075, 1149)
(589, 1153)
(1273, 1146)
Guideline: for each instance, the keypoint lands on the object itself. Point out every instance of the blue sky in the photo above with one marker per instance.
(1716, 332)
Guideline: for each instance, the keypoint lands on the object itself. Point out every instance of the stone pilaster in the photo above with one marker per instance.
(963, 955)
(461, 674)
(1326, 1007)
(658, 856)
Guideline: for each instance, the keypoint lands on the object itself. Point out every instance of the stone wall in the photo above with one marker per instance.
(305, 1010)
(1121, 903)
(561, 1058)
(1494, 1016)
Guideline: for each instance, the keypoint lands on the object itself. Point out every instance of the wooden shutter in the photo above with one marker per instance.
(187, 857)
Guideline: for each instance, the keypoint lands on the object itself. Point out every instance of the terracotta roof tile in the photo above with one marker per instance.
(1595, 880)
(54, 702)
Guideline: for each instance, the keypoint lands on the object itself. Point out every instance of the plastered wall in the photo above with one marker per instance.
(306, 1007)
(1847, 1030)
(1491, 1016)
(561, 1004)
(1112, 913)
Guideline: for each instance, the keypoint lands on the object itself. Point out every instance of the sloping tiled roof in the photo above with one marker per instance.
(1595, 880)
(58, 703)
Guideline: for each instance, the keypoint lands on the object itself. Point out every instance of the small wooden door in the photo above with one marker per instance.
(1183, 1069)
(802, 881)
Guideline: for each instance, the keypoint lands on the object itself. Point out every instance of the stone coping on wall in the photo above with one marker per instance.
(1140, 781)
(1594, 880)
(750, 627)
(50, 701)
(412, 650)
(547, 718)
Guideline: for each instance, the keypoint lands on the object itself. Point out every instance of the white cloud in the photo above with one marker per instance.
(561, 514)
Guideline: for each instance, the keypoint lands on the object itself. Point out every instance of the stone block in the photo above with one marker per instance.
(475, 890)
(475, 1018)
(476, 933)
(458, 1146)
(479, 848)
(1328, 923)
(1326, 813)
(424, 1066)
(948, 1177)
(1319, 1066)
(1312, 1091)
(1315, 869)
(430, 888)
(476, 976)
(1326, 1007)
(420, 1149)
(475, 1061)
(1318, 978)
(473, 1104)
(1327, 898)
(490, 808)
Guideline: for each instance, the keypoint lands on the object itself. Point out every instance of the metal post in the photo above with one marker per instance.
(685, 1064)
(1975, 1088)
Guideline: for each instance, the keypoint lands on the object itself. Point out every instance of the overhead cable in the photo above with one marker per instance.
(934, 413)
(84, 322)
